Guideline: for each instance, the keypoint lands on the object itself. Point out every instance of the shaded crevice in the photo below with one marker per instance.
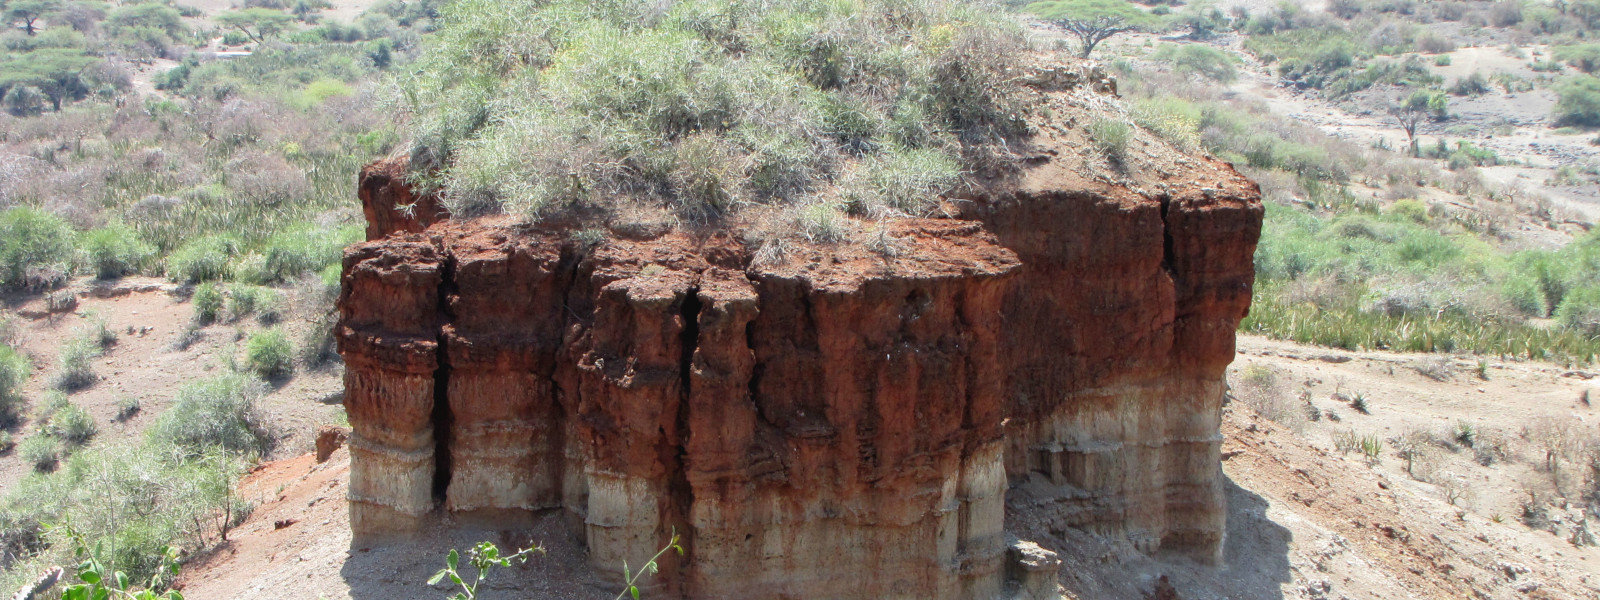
(443, 419)
(1167, 252)
(680, 492)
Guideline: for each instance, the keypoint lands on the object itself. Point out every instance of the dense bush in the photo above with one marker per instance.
(269, 353)
(1579, 102)
(204, 259)
(1580, 310)
(1583, 57)
(296, 251)
(114, 250)
(30, 239)
(219, 412)
(710, 105)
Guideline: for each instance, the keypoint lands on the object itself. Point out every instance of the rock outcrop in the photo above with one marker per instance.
(838, 424)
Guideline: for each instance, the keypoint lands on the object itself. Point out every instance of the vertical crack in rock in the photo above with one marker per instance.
(442, 418)
(680, 492)
(1167, 252)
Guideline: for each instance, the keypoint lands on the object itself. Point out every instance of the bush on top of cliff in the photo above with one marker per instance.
(700, 106)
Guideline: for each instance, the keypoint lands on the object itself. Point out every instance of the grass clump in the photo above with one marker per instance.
(32, 239)
(1111, 138)
(216, 413)
(245, 300)
(74, 366)
(204, 259)
(114, 250)
(208, 302)
(269, 353)
(40, 451)
(533, 107)
(72, 425)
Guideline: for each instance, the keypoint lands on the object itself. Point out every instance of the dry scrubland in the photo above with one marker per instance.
(172, 220)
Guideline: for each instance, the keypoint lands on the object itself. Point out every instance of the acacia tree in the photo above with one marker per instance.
(1091, 21)
(258, 24)
(55, 72)
(1411, 111)
(29, 12)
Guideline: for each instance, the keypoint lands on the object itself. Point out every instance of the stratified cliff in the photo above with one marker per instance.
(840, 423)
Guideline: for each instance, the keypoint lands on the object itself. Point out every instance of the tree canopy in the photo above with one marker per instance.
(28, 12)
(55, 72)
(1091, 21)
(257, 23)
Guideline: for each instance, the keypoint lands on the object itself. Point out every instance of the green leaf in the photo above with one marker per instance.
(456, 578)
(101, 594)
(88, 573)
(438, 577)
(174, 594)
(76, 592)
(122, 580)
(633, 589)
(453, 559)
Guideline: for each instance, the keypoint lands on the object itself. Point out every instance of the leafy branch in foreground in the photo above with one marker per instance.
(483, 556)
(632, 579)
(97, 585)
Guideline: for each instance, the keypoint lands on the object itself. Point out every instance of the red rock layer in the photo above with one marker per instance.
(828, 428)
(389, 203)
(839, 425)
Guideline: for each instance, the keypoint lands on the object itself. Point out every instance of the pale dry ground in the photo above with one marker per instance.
(144, 364)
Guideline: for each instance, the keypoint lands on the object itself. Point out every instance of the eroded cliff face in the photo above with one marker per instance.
(842, 424)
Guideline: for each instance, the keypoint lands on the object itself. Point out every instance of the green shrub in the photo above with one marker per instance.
(900, 181)
(41, 451)
(245, 300)
(269, 354)
(1111, 137)
(114, 250)
(1579, 102)
(1580, 310)
(204, 259)
(73, 425)
(74, 366)
(208, 300)
(218, 412)
(710, 105)
(296, 251)
(14, 370)
(6, 443)
(1583, 57)
(30, 239)
(1200, 59)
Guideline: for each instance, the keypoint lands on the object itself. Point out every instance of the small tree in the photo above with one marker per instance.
(28, 12)
(55, 72)
(1091, 21)
(1411, 111)
(258, 24)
